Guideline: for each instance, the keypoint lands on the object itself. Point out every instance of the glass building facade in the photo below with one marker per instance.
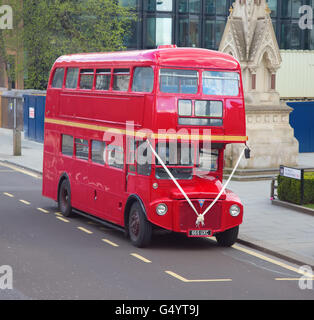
(201, 23)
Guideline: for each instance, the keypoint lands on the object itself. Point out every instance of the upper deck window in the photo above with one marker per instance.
(103, 78)
(121, 79)
(143, 80)
(57, 81)
(72, 78)
(220, 83)
(178, 81)
(87, 79)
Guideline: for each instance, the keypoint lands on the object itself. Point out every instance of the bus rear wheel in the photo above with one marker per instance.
(140, 229)
(228, 237)
(64, 199)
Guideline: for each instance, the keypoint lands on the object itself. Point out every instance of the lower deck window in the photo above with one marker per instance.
(98, 152)
(67, 145)
(115, 156)
(81, 147)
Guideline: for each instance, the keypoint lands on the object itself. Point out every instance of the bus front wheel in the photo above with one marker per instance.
(228, 237)
(64, 199)
(140, 229)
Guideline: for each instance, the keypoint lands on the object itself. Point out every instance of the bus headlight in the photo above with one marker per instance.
(234, 210)
(161, 209)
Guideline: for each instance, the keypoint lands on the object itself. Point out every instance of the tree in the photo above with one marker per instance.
(57, 27)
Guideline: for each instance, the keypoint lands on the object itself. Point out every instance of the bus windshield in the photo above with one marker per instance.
(179, 159)
(220, 83)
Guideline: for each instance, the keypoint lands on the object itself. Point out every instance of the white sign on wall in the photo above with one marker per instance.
(31, 113)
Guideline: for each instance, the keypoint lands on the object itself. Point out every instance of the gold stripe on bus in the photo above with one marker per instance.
(143, 134)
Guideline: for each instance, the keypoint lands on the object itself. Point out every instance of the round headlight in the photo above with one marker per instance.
(234, 210)
(161, 209)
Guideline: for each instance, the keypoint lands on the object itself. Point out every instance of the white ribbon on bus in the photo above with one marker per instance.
(200, 217)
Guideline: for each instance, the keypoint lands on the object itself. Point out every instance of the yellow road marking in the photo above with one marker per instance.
(273, 261)
(85, 230)
(110, 242)
(59, 214)
(62, 219)
(288, 279)
(175, 275)
(25, 202)
(140, 257)
(42, 210)
(8, 194)
(29, 173)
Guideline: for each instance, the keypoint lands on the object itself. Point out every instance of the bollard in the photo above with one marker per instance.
(17, 143)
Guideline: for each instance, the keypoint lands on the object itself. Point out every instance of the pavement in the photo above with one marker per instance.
(283, 232)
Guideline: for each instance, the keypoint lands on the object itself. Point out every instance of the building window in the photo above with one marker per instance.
(189, 31)
(192, 6)
(213, 33)
(272, 4)
(159, 5)
(216, 7)
(159, 32)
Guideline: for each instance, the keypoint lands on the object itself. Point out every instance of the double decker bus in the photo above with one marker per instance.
(136, 140)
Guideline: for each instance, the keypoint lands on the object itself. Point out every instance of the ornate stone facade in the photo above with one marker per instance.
(249, 37)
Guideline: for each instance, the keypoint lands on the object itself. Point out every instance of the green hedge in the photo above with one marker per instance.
(290, 189)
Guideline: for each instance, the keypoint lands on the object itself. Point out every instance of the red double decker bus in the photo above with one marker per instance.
(136, 140)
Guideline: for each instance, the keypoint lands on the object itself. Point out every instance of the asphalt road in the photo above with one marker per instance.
(74, 258)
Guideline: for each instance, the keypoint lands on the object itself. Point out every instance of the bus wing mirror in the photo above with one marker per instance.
(247, 153)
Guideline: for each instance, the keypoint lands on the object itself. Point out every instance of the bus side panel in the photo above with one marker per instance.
(234, 121)
(109, 108)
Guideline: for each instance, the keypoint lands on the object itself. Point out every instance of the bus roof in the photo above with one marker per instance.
(176, 57)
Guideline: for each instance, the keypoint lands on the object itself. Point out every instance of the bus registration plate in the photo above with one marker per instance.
(199, 233)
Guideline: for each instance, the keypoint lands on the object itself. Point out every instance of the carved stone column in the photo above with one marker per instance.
(249, 36)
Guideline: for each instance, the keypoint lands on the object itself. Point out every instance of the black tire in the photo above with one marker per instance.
(228, 237)
(64, 198)
(140, 229)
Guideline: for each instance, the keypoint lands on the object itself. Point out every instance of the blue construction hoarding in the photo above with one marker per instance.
(302, 121)
(34, 117)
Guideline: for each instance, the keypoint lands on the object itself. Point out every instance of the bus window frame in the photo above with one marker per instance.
(80, 75)
(113, 74)
(53, 75)
(110, 82)
(78, 79)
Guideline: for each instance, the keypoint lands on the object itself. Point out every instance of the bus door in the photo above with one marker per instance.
(106, 181)
(138, 169)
